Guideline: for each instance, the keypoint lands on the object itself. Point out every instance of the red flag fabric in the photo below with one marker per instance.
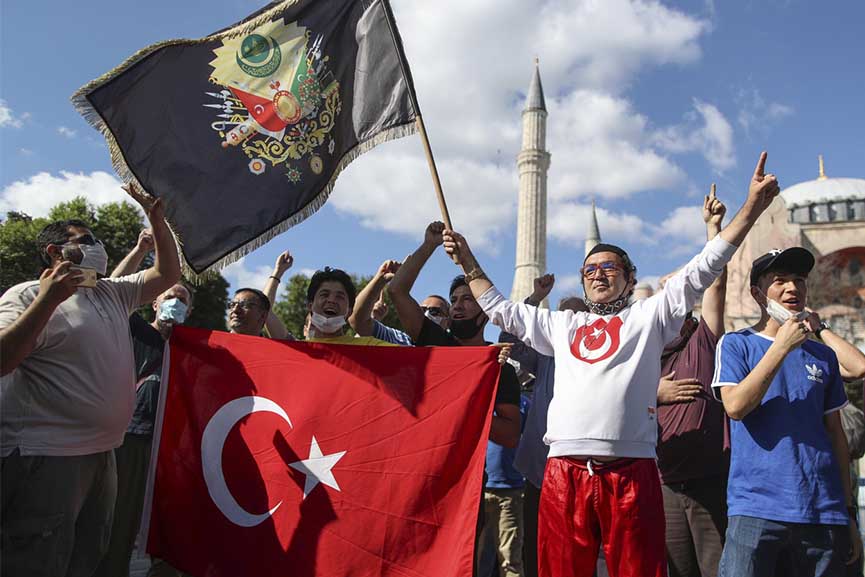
(304, 459)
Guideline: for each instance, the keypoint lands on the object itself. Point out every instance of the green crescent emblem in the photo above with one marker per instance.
(259, 56)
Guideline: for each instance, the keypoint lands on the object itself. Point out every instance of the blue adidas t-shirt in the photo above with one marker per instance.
(782, 466)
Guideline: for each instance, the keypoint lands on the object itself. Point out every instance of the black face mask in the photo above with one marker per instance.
(464, 329)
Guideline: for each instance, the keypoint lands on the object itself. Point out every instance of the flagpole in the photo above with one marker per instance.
(418, 118)
(434, 171)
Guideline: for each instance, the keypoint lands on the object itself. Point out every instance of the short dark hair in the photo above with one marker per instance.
(263, 301)
(56, 233)
(331, 275)
(439, 297)
(459, 280)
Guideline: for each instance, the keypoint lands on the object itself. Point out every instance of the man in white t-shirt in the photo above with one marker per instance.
(601, 486)
(67, 394)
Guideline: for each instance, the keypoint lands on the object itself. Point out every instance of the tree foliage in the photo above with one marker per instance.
(117, 225)
(291, 307)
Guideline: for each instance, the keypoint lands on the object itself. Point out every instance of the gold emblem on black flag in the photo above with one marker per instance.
(279, 101)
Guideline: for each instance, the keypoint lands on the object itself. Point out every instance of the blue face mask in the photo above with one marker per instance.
(173, 311)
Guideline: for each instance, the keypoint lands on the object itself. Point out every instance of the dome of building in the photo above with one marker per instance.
(826, 199)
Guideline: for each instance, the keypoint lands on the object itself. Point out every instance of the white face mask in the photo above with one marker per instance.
(173, 311)
(780, 314)
(325, 324)
(95, 257)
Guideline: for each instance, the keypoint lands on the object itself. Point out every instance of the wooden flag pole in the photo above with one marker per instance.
(434, 171)
(403, 64)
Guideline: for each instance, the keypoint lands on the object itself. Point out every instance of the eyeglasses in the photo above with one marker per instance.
(434, 311)
(607, 268)
(245, 305)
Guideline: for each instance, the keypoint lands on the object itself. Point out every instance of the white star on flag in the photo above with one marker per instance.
(317, 468)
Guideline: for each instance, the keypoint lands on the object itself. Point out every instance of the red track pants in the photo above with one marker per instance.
(588, 504)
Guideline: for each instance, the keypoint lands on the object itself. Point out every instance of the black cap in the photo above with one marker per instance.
(796, 260)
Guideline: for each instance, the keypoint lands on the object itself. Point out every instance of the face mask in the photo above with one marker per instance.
(95, 257)
(436, 319)
(325, 324)
(465, 328)
(780, 314)
(173, 311)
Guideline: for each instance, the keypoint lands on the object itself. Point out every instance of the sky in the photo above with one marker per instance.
(649, 103)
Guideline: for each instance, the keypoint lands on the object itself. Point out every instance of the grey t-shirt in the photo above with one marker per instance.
(74, 393)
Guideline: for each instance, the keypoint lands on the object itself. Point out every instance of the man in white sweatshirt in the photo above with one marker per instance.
(601, 485)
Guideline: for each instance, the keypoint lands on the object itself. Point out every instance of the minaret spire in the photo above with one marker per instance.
(593, 235)
(533, 162)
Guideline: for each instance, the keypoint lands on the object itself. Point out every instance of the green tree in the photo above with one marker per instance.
(19, 256)
(291, 308)
(117, 225)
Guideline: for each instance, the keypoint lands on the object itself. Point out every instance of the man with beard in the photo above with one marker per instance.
(601, 484)
(692, 458)
(788, 499)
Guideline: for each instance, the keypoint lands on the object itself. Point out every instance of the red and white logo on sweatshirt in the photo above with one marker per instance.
(597, 341)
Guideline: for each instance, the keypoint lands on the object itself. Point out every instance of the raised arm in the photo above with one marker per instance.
(399, 288)
(361, 316)
(275, 327)
(166, 263)
(761, 192)
(133, 259)
(716, 294)
(739, 400)
(528, 323)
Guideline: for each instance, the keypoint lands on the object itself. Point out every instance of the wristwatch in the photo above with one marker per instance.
(823, 325)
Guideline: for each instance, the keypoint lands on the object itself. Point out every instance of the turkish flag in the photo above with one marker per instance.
(307, 459)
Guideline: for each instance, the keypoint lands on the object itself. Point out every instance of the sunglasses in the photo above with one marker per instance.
(607, 268)
(434, 311)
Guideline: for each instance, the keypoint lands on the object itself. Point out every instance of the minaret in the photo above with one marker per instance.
(532, 163)
(593, 236)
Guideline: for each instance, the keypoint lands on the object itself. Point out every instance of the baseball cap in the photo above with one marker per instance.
(796, 260)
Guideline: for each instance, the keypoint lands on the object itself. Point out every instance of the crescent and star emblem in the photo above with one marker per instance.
(317, 468)
(597, 341)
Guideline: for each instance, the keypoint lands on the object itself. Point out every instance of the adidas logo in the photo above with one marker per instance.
(815, 373)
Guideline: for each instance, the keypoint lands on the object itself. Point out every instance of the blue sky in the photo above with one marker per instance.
(648, 104)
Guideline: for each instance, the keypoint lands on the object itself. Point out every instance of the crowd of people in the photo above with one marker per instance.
(632, 430)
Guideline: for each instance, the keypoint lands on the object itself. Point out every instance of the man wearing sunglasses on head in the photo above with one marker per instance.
(68, 393)
(601, 485)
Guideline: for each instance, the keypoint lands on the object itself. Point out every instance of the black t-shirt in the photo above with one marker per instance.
(432, 335)
(148, 347)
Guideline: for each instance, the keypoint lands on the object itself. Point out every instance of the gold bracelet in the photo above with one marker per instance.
(475, 274)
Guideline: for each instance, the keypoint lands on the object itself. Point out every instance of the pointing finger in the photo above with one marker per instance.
(712, 192)
(761, 164)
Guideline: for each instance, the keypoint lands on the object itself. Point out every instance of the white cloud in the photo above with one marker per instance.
(590, 52)
(25, 152)
(705, 130)
(66, 132)
(39, 193)
(568, 222)
(569, 284)
(240, 276)
(755, 114)
(10, 118)
(686, 225)
(598, 135)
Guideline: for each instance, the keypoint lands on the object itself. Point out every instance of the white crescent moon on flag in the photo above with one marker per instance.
(598, 353)
(212, 442)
